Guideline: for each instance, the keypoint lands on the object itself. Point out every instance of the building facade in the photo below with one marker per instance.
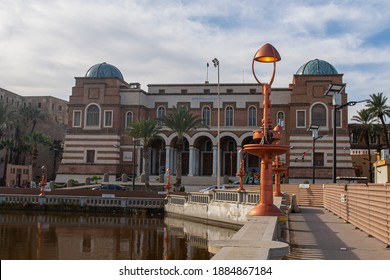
(52, 123)
(103, 104)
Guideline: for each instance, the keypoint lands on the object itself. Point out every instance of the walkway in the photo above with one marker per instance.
(316, 233)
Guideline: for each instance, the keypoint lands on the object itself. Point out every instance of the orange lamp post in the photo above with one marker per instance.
(43, 180)
(267, 148)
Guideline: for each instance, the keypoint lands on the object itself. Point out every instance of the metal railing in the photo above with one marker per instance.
(217, 195)
(131, 202)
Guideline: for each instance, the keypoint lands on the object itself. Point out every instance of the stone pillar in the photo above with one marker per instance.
(215, 159)
(138, 158)
(167, 158)
(191, 162)
(106, 178)
(238, 159)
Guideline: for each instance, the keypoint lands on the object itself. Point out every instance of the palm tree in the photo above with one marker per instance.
(7, 117)
(365, 130)
(33, 115)
(181, 122)
(379, 109)
(34, 140)
(146, 130)
(9, 146)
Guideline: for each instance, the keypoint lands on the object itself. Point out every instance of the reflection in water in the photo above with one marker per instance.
(73, 236)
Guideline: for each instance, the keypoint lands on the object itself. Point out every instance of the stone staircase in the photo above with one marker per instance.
(195, 180)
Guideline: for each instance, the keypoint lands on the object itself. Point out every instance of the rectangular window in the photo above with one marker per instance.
(76, 118)
(338, 118)
(373, 138)
(108, 118)
(301, 118)
(90, 156)
(319, 159)
(355, 138)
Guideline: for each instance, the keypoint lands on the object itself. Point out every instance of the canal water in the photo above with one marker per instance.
(80, 236)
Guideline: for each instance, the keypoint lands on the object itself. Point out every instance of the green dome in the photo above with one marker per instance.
(104, 70)
(317, 67)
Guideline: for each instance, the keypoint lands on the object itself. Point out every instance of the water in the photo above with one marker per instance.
(74, 236)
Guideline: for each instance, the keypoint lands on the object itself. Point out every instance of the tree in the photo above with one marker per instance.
(145, 130)
(33, 115)
(34, 140)
(365, 129)
(181, 122)
(7, 117)
(379, 109)
(9, 146)
(57, 147)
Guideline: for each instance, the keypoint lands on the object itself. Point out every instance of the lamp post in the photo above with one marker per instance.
(314, 129)
(216, 64)
(335, 91)
(269, 138)
(134, 143)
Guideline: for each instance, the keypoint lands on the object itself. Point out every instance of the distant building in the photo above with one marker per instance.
(103, 104)
(360, 152)
(53, 124)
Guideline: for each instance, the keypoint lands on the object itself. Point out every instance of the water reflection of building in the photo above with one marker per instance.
(95, 237)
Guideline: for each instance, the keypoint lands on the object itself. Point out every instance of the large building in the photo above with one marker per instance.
(103, 104)
(52, 123)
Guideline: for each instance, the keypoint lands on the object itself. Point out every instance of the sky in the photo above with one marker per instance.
(45, 44)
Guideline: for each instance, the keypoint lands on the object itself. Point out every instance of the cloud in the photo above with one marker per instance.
(45, 44)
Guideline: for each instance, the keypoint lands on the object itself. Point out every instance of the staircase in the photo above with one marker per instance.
(195, 180)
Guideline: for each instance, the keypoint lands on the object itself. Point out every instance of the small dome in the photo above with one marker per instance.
(317, 67)
(104, 70)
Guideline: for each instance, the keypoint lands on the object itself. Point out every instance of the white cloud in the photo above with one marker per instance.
(45, 44)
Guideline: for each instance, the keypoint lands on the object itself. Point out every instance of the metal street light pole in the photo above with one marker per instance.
(216, 64)
(314, 129)
(134, 163)
(335, 90)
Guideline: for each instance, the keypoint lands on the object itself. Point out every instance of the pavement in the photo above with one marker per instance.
(318, 234)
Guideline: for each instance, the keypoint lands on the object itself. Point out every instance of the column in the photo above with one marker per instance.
(167, 158)
(138, 149)
(238, 157)
(191, 162)
(215, 159)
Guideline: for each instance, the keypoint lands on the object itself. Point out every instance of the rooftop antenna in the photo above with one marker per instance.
(243, 76)
(207, 73)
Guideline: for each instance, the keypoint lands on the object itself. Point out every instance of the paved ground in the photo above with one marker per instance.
(316, 233)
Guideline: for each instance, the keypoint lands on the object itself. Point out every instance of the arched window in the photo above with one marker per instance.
(318, 115)
(206, 116)
(280, 119)
(208, 146)
(160, 112)
(229, 114)
(93, 115)
(252, 116)
(129, 119)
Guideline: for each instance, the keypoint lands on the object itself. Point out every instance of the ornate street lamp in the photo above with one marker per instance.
(269, 146)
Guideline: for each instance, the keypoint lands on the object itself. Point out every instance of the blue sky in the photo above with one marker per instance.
(44, 44)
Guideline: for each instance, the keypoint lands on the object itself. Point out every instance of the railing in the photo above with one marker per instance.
(131, 202)
(365, 206)
(217, 195)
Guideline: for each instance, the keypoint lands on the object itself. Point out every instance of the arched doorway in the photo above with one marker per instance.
(229, 156)
(157, 159)
(203, 156)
